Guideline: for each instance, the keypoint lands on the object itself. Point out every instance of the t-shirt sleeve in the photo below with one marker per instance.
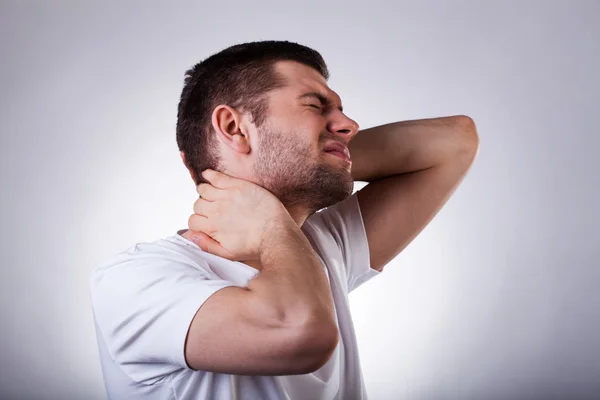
(340, 229)
(143, 306)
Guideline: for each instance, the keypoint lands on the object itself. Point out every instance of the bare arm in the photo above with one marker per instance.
(413, 168)
(293, 279)
(282, 324)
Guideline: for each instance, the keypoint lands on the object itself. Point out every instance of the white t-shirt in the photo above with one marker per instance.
(145, 298)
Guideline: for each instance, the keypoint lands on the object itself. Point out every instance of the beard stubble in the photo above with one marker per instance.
(286, 166)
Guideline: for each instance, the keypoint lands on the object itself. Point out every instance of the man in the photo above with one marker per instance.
(252, 301)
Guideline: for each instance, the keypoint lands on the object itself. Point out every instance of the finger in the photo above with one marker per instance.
(199, 223)
(201, 239)
(204, 208)
(218, 179)
(212, 246)
(208, 192)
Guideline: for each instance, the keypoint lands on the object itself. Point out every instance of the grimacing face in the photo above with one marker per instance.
(290, 160)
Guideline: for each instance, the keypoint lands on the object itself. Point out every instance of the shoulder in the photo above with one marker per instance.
(147, 261)
(339, 221)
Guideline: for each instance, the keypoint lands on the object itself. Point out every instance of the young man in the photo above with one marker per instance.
(252, 301)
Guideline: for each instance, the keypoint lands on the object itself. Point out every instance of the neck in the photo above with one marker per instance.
(298, 214)
(256, 264)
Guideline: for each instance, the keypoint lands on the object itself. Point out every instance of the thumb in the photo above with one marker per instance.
(209, 245)
(218, 179)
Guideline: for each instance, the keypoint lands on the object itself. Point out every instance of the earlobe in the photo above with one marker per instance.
(240, 143)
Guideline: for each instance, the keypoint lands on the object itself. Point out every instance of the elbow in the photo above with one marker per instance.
(467, 126)
(318, 346)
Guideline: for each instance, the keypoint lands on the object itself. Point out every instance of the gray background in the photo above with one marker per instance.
(496, 299)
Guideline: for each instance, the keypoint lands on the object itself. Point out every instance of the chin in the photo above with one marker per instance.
(332, 186)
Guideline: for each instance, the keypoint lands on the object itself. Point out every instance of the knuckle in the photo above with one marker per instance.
(199, 223)
(197, 206)
(192, 221)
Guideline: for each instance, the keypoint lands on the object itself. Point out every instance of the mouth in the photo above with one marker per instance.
(341, 155)
(339, 150)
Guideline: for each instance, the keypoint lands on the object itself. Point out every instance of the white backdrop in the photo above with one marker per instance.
(496, 299)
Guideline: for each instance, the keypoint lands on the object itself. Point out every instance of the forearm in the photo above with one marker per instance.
(292, 280)
(408, 146)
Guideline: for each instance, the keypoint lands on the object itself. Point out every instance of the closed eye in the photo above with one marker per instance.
(315, 106)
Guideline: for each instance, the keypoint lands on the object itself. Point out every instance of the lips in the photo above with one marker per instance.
(338, 149)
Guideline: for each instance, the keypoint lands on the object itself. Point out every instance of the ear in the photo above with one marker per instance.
(231, 128)
(193, 173)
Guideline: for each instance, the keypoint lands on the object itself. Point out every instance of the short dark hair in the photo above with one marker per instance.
(240, 76)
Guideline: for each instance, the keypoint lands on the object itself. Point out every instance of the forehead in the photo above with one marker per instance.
(302, 79)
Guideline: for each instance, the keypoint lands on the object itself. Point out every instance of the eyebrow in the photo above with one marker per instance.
(322, 99)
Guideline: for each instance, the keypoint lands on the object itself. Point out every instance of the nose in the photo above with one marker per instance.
(342, 124)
